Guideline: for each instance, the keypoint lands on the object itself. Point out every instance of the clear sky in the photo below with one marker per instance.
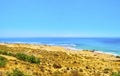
(59, 18)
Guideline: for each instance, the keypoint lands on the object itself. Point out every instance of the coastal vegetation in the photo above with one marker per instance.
(117, 56)
(116, 74)
(21, 56)
(16, 72)
(6, 53)
(24, 57)
(40, 60)
(3, 61)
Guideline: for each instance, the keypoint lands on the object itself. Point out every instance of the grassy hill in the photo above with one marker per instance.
(44, 60)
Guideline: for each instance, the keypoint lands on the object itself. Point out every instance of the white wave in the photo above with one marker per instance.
(72, 48)
(111, 53)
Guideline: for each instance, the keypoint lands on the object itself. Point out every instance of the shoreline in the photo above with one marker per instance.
(72, 49)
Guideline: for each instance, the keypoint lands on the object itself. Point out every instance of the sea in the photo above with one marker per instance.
(104, 45)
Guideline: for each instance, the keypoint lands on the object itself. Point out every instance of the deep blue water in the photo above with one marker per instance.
(108, 45)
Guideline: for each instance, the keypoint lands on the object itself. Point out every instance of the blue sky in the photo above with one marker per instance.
(60, 18)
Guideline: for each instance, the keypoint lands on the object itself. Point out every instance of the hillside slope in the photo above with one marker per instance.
(58, 61)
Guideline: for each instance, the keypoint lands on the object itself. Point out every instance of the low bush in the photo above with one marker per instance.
(106, 70)
(6, 53)
(16, 72)
(33, 59)
(3, 61)
(117, 56)
(21, 56)
(115, 74)
(24, 57)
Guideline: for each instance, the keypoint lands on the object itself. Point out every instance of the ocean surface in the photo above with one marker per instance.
(106, 45)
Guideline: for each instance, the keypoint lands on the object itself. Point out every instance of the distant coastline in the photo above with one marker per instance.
(68, 48)
(103, 45)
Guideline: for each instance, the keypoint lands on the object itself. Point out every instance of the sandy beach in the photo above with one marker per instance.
(59, 61)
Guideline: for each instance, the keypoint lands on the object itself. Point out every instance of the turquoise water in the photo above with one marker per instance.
(107, 45)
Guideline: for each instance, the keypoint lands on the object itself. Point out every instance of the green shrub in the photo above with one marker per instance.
(3, 61)
(21, 56)
(24, 57)
(16, 72)
(33, 59)
(115, 74)
(6, 53)
(117, 56)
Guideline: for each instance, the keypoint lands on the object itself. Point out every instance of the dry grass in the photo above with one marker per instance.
(58, 61)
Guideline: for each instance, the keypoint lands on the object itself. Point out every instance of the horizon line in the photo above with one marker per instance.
(59, 37)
